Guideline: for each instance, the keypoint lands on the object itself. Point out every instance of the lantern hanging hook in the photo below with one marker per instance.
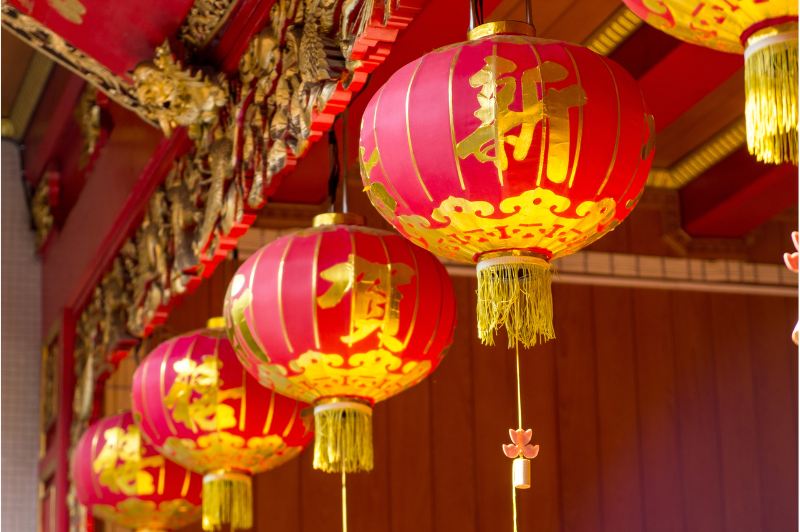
(476, 13)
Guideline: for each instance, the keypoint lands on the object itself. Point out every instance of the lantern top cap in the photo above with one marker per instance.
(502, 27)
(215, 323)
(339, 218)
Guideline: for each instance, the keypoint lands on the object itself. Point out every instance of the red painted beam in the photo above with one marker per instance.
(736, 196)
(643, 50)
(683, 78)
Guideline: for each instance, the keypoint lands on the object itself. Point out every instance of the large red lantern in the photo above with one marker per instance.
(125, 480)
(341, 316)
(199, 407)
(765, 31)
(507, 151)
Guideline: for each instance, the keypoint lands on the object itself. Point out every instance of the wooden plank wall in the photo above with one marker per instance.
(655, 410)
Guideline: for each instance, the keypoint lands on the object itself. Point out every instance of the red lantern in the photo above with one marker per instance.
(766, 33)
(199, 407)
(341, 316)
(507, 151)
(126, 481)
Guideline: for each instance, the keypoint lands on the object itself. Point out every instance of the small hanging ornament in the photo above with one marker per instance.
(523, 452)
(200, 408)
(124, 480)
(766, 33)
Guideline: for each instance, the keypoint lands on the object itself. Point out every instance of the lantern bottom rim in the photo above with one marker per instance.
(493, 259)
(228, 474)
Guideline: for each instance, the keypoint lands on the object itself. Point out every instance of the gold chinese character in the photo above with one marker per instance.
(128, 477)
(497, 119)
(207, 411)
(376, 306)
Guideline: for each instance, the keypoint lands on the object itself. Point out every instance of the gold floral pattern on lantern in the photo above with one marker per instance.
(224, 450)
(472, 229)
(379, 373)
(137, 514)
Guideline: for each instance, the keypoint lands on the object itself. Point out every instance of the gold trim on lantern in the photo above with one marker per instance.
(215, 323)
(339, 218)
(502, 27)
(514, 253)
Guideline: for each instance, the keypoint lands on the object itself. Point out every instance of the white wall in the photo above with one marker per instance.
(20, 350)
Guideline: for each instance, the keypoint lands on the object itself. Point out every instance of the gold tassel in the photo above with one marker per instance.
(770, 76)
(343, 435)
(514, 292)
(227, 498)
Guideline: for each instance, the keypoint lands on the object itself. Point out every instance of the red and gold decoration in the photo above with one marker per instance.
(765, 31)
(507, 151)
(200, 408)
(341, 316)
(127, 482)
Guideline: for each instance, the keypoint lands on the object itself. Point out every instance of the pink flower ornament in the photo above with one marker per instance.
(521, 439)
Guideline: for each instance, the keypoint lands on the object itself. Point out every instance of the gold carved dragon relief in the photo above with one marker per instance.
(175, 96)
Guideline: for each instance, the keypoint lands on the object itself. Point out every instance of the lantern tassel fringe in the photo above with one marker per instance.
(516, 295)
(343, 438)
(227, 499)
(770, 74)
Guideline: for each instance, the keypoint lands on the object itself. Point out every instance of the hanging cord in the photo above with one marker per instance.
(519, 420)
(344, 157)
(344, 501)
(333, 161)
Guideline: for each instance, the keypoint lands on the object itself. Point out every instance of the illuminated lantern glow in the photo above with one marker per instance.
(341, 316)
(200, 408)
(766, 33)
(126, 481)
(507, 151)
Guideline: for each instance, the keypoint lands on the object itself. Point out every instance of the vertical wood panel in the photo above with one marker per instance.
(321, 493)
(658, 413)
(697, 410)
(368, 493)
(276, 498)
(452, 429)
(775, 419)
(736, 412)
(620, 457)
(577, 409)
(410, 466)
(540, 413)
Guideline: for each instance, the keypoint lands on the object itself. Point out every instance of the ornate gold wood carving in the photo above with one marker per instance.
(40, 209)
(87, 115)
(175, 96)
(48, 393)
(205, 19)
